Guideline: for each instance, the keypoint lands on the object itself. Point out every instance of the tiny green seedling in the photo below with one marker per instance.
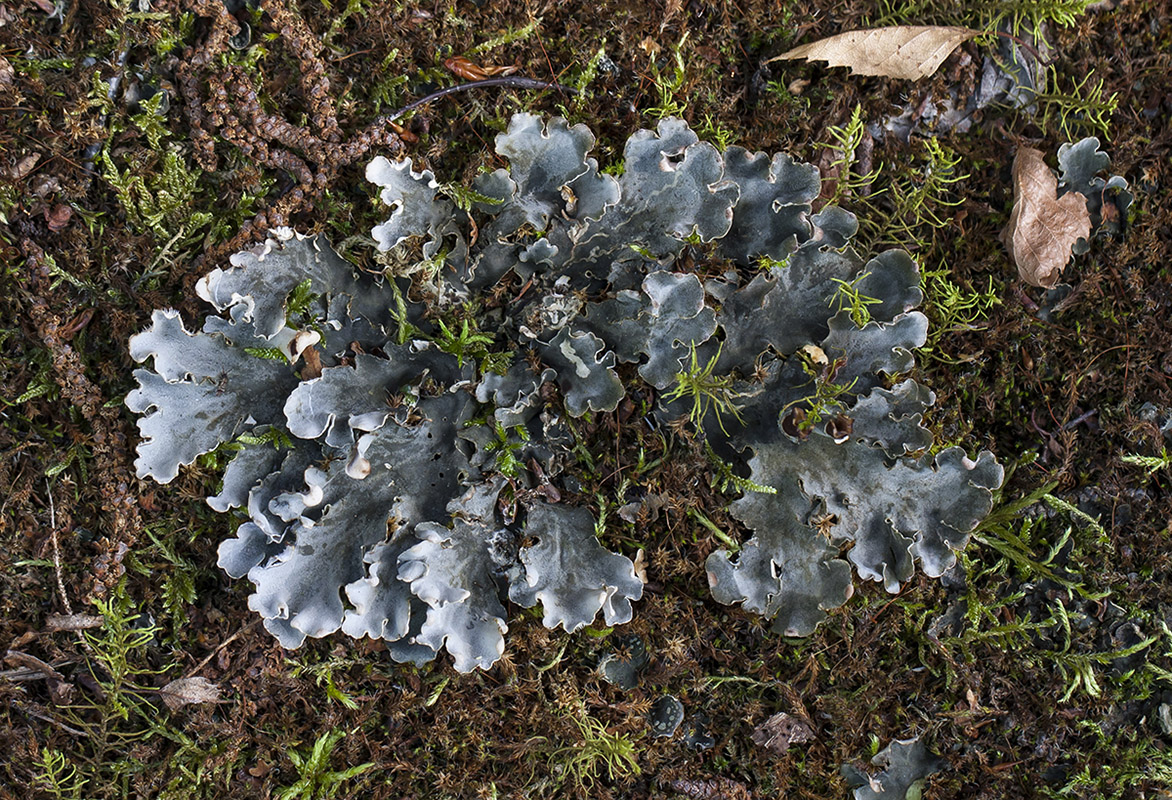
(708, 392)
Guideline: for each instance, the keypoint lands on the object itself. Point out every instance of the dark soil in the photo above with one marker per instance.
(1013, 701)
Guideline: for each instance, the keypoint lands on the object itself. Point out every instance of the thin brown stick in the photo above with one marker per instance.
(513, 81)
(220, 647)
(57, 550)
(46, 718)
(1024, 45)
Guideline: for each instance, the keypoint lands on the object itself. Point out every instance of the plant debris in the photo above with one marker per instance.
(1042, 679)
(1043, 227)
(908, 52)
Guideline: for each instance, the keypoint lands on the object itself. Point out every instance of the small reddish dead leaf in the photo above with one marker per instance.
(312, 368)
(464, 68)
(909, 52)
(45, 5)
(782, 730)
(840, 428)
(77, 324)
(404, 134)
(58, 218)
(23, 640)
(45, 185)
(146, 501)
(1110, 212)
(184, 691)
(1042, 227)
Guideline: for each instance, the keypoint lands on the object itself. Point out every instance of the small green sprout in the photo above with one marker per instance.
(708, 392)
(951, 308)
(916, 200)
(57, 777)
(405, 330)
(669, 85)
(465, 197)
(497, 363)
(267, 353)
(1152, 464)
(723, 475)
(506, 449)
(299, 302)
(823, 401)
(599, 748)
(582, 82)
(469, 342)
(849, 297)
(315, 778)
(1083, 105)
(509, 36)
(712, 131)
(847, 140)
(274, 436)
(765, 263)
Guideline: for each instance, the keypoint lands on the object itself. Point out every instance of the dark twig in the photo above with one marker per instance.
(1024, 45)
(514, 82)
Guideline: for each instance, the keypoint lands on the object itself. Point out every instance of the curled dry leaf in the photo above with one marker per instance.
(58, 217)
(184, 691)
(1042, 227)
(468, 70)
(910, 52)
(782, 730)
(24, 167)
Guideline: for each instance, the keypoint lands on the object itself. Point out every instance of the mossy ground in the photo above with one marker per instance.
(1031, 697)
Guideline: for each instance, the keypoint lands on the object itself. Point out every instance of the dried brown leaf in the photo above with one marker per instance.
(24, 167)
(1042, 227)
(641, 566)
(910, 52)
(468, 70)
(60, 692)
(184, 691)
(58, 217)
(313, 367)
(782, 730)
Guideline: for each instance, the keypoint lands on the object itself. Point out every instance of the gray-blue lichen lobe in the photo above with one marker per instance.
(371, 452)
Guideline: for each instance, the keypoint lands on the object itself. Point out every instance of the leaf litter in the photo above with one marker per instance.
(908, 52)
(1043, 228)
